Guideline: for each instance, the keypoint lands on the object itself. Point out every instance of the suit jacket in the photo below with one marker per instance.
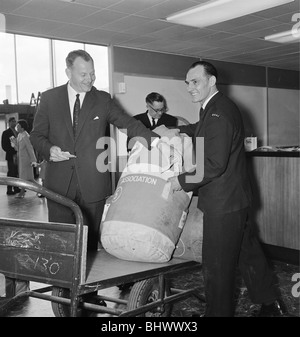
(6, 146)
(224, 186)
(53, 126)
(165, 119)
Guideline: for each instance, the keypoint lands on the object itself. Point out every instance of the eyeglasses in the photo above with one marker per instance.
(163, 109)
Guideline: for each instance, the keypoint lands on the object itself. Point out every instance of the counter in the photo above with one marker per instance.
(273, 154)
(275, 178)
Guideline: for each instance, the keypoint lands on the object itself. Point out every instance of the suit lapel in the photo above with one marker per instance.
(205, 112)
(161, 120)
(65, 107)
(145, 120)
(211, 102)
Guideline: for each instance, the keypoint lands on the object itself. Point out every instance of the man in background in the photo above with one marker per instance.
(11, 153)
(155, 115)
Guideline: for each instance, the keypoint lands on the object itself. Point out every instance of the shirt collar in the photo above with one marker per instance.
(150, 117)
(208, 99)
(73, 93)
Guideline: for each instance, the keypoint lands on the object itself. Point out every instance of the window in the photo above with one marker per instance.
(33, 66)
(7, 69)
(27, 65)
(100, 57)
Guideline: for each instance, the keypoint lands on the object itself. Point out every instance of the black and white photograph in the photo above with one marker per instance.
(149, 162)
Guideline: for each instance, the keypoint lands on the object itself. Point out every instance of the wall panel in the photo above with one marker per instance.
(283, 117)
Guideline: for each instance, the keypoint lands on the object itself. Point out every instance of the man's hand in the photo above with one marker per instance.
(163, 131)
(56, 154)
(175, 186)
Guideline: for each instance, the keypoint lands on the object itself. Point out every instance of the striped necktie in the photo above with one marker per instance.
(76, 112)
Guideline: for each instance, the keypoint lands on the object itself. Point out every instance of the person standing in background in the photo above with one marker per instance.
(155, 115)
(11, 153)
(225, 197)
(25, 153)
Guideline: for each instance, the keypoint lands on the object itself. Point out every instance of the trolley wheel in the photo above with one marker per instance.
(63, 310)
(147, 291)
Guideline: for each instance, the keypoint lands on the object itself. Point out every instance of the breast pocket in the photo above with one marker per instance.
(97, 126)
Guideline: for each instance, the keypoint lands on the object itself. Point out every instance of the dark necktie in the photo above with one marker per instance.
(201, 113)
(76, 111)
(153, 123)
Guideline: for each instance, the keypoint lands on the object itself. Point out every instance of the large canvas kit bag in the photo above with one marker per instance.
(144, 219)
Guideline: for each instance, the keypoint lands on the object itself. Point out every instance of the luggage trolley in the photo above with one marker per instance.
(56, 254)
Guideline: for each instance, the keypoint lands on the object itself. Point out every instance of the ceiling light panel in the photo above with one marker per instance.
(216, 11)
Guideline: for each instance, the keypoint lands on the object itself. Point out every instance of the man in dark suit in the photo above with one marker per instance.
(224, 197)
(155, 115)
(73, 142)
(11, 153)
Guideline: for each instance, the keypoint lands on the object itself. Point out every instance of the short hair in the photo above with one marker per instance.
(156, 97)
(72, 56)
(11, 119)
(209, 69)
(23, 123)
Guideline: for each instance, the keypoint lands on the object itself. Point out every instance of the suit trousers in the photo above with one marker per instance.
(230, 241)
(92, 212)
(12, 170)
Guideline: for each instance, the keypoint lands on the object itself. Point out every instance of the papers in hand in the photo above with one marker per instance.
(56, 154)
(67, 154)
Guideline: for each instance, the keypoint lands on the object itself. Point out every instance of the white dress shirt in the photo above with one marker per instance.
(72, 98)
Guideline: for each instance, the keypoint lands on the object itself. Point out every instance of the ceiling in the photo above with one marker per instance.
(141, 24)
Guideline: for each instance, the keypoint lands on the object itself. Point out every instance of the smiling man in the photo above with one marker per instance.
(69, 122)
(224, 197)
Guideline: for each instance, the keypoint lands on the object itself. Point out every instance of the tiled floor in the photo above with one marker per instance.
(34, 208)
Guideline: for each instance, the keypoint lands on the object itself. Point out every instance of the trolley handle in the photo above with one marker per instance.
(17, 182)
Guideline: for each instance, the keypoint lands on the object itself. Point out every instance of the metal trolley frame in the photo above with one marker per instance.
(56, 254)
